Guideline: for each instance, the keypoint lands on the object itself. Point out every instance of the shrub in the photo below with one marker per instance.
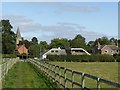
(9, 55)
(81, 58)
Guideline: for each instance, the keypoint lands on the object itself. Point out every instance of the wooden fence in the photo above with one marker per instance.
(58, 74)
(6, 64)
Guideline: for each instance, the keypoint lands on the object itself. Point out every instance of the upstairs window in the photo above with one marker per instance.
(52, 51)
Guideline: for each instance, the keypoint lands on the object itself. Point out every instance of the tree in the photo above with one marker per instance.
(34, 51)
(78, 42)
(8, 38)
(113, 41)
(91, 43)
(43, 46)
(34, 40)
(26, 42)
(62, 43)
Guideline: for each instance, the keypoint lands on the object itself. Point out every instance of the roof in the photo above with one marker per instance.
(113, 47)
(57, 51)
(18, 33)
(20, 46)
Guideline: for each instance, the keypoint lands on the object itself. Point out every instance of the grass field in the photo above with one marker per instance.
(105, 70)
(23, 75)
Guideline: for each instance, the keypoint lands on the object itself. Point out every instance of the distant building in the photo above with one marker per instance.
(106, 49)
(21, 49)
(59, 51)
(78, 51)
(54, 51)
(18, 38)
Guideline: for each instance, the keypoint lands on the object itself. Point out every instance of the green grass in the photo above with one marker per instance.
(105, 70)
(23, 75)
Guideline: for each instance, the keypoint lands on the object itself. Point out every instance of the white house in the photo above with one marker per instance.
(54, 51)
(78, 51)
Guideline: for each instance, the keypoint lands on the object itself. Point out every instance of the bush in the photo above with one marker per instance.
(118, 59)
(9, 55)
(81, 58)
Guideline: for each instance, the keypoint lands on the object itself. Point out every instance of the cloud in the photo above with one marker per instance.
(77, 9)
(29, 29)
(26, 25)
(88, 9)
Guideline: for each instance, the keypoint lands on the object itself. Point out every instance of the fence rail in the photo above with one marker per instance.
(6, 65)
(57, 73)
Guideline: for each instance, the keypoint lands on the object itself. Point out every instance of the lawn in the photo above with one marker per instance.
(105, 70)
(23, 75)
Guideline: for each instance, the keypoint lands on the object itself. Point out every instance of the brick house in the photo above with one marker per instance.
(106, 49)
(21, 49)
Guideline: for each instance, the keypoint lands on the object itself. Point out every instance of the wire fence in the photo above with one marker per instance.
(66, 77)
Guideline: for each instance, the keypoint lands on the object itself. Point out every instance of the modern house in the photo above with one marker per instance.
(54, 51)
(78, 51)
(106, 49)
(59, 51)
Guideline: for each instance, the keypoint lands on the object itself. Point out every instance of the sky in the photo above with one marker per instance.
(48, 20)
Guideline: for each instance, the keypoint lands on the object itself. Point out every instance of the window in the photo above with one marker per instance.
(52, 51)
(106, 51)
(56, 51)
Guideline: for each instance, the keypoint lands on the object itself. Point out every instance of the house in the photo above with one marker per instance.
(54, 51)
(78, 51)
(59, 51)
(21, 49)
(106, 49)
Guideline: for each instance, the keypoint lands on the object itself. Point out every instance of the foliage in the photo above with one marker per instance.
(43, 46)
(34, 40)
(62, 43)
(34, 50)
(81, 58)
(78, 42)
(9, 55)
(26, 42)
(8, 38)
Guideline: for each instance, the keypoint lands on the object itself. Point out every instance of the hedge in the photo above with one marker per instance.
(81, 58)
(9, 55)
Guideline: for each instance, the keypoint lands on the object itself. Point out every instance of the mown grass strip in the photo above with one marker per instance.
(23, 75)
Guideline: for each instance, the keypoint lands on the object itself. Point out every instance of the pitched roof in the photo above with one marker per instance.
(59, 51)
(18, 33)
(113, 47)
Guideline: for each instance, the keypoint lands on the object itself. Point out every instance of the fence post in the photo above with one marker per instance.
(83, 81)
(65, 78)
(59, 75)
(55, 73)
(72, 79)
(98, 84)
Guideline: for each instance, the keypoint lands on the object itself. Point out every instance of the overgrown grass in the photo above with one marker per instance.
(23, 75)
(105, 70)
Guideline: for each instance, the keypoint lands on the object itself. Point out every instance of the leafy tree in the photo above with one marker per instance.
(26, 42)
(62, 43)
(114, 41)
(8, 38)
(34, 50)
(91, 43)
(78, 42)
(43, 46)
(34, 40)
